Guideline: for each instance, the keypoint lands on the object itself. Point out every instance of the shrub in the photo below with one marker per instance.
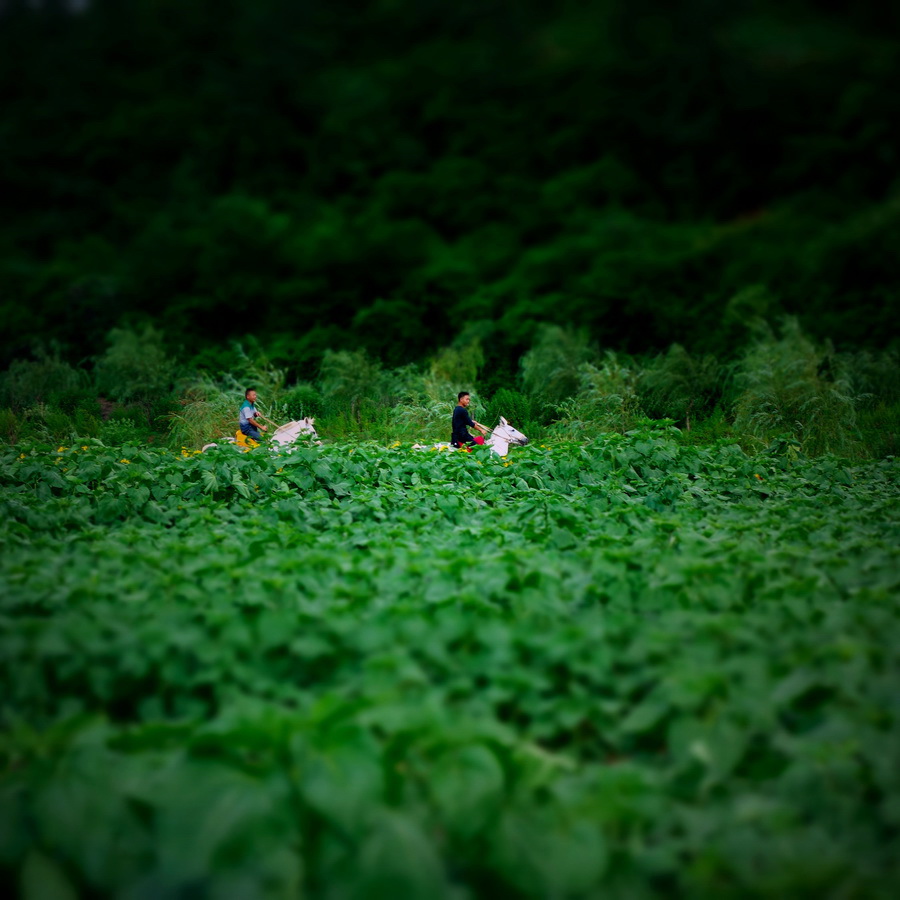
(552, 368)
(208, 410)
(30, 382)
(879, 426)
(607, 401)
(130, 413)
(135, 366)
(350, 381)
(73, 399)
(121, 431)
(458, 365)
(300, 401)
(874, 377)
(789, 386)
(677, 386)
(425, 420)
(528, 412)
(10, 426)
(86, 424)
(58, 425)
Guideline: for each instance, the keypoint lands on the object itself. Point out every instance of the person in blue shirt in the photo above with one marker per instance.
(462, 421)
(249, 424)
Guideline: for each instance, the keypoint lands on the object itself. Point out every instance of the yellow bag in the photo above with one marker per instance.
(241, 439)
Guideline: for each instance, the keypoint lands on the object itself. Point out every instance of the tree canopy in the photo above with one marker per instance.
(387, 177)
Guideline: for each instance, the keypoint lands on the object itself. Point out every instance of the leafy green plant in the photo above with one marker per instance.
(444, 661)
(117, 431)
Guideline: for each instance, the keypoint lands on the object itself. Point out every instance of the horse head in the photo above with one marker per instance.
(511, 435)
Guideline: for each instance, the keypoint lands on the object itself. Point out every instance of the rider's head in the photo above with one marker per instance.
(463, 398)
(248, 392)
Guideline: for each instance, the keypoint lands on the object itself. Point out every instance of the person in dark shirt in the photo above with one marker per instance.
(462, 421)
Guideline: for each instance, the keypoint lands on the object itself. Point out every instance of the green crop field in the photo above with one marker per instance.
(631, 668)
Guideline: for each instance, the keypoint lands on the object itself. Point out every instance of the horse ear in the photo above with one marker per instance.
(503, 421)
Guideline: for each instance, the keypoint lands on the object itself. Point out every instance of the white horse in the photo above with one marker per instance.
(281, 437)
(500, 440)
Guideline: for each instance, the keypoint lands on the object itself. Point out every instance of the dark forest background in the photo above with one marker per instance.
(396, 176)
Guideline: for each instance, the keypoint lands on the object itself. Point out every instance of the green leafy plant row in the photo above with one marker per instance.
(628, 668)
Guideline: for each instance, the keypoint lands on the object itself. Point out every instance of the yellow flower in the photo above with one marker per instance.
(61, 449)
(279, 471)
(21, 456)
(396, 444)
(85, 448)
(126, 461)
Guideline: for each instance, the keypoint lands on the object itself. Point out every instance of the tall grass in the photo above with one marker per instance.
(681, 387)
(209, 407)
(789, 386)
(552, 368)
(607, 400)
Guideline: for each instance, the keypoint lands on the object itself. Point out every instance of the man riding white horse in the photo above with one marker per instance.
(462, 421)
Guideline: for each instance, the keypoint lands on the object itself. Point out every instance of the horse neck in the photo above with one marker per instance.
(498, 443)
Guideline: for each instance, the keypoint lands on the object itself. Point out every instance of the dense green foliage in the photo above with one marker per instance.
(384, 176)
(629, 660)
(783, 387)
(628, 668)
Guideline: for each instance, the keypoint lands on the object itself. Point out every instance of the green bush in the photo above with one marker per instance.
(130, 413)
(874, 377)
(423, 420)
(709, 429)
(73, 399)
(302, 400)
(607, 401)
(879, 426)
(458, 365)
(677, 386)
(527, 412)
(789, 386)
(135, 366)
(208, 410)
(87, 424)
(10, 426)
(30, 382)
(552, 368)
(114, 432)
(351, 383)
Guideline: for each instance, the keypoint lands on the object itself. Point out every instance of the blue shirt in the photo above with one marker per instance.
(248, 411)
